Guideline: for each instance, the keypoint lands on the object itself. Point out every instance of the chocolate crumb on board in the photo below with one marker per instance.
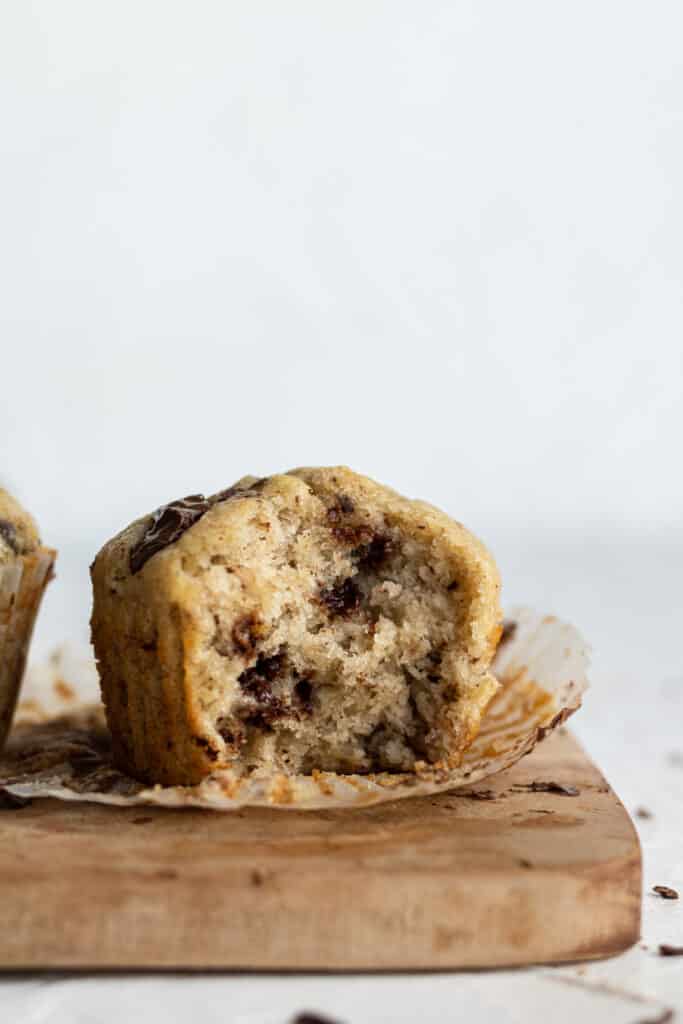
(313, 1018)
(12, 802)
(550, 787)
(665, 891)
(642, 812)
(666, 950)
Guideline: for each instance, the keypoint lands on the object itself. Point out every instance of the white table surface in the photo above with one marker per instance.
(624, 592)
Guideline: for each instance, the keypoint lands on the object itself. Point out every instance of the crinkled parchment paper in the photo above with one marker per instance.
(59, 746)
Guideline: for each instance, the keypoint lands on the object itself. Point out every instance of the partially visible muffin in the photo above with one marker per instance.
(25, 569)
(313, 620)
(18, 531)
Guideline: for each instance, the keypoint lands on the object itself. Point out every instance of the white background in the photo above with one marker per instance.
(439, 242)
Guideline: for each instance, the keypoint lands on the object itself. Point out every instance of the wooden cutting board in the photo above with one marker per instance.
(496, 874)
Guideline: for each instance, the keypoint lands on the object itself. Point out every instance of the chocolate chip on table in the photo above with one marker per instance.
(8, 532)
(342, 598)
(664, 1017)
(665, 949)
(313, 1018)
(12, 802)
(642, 812)
(665, 891)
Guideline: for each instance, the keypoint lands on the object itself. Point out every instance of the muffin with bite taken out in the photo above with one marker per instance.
(310, 621)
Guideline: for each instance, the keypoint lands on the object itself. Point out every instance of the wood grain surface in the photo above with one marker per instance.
(498, 874)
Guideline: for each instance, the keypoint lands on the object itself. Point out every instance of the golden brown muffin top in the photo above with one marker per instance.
(18, 531)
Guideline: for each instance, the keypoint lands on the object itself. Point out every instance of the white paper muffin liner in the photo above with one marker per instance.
(60, 748)
(21, 589)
